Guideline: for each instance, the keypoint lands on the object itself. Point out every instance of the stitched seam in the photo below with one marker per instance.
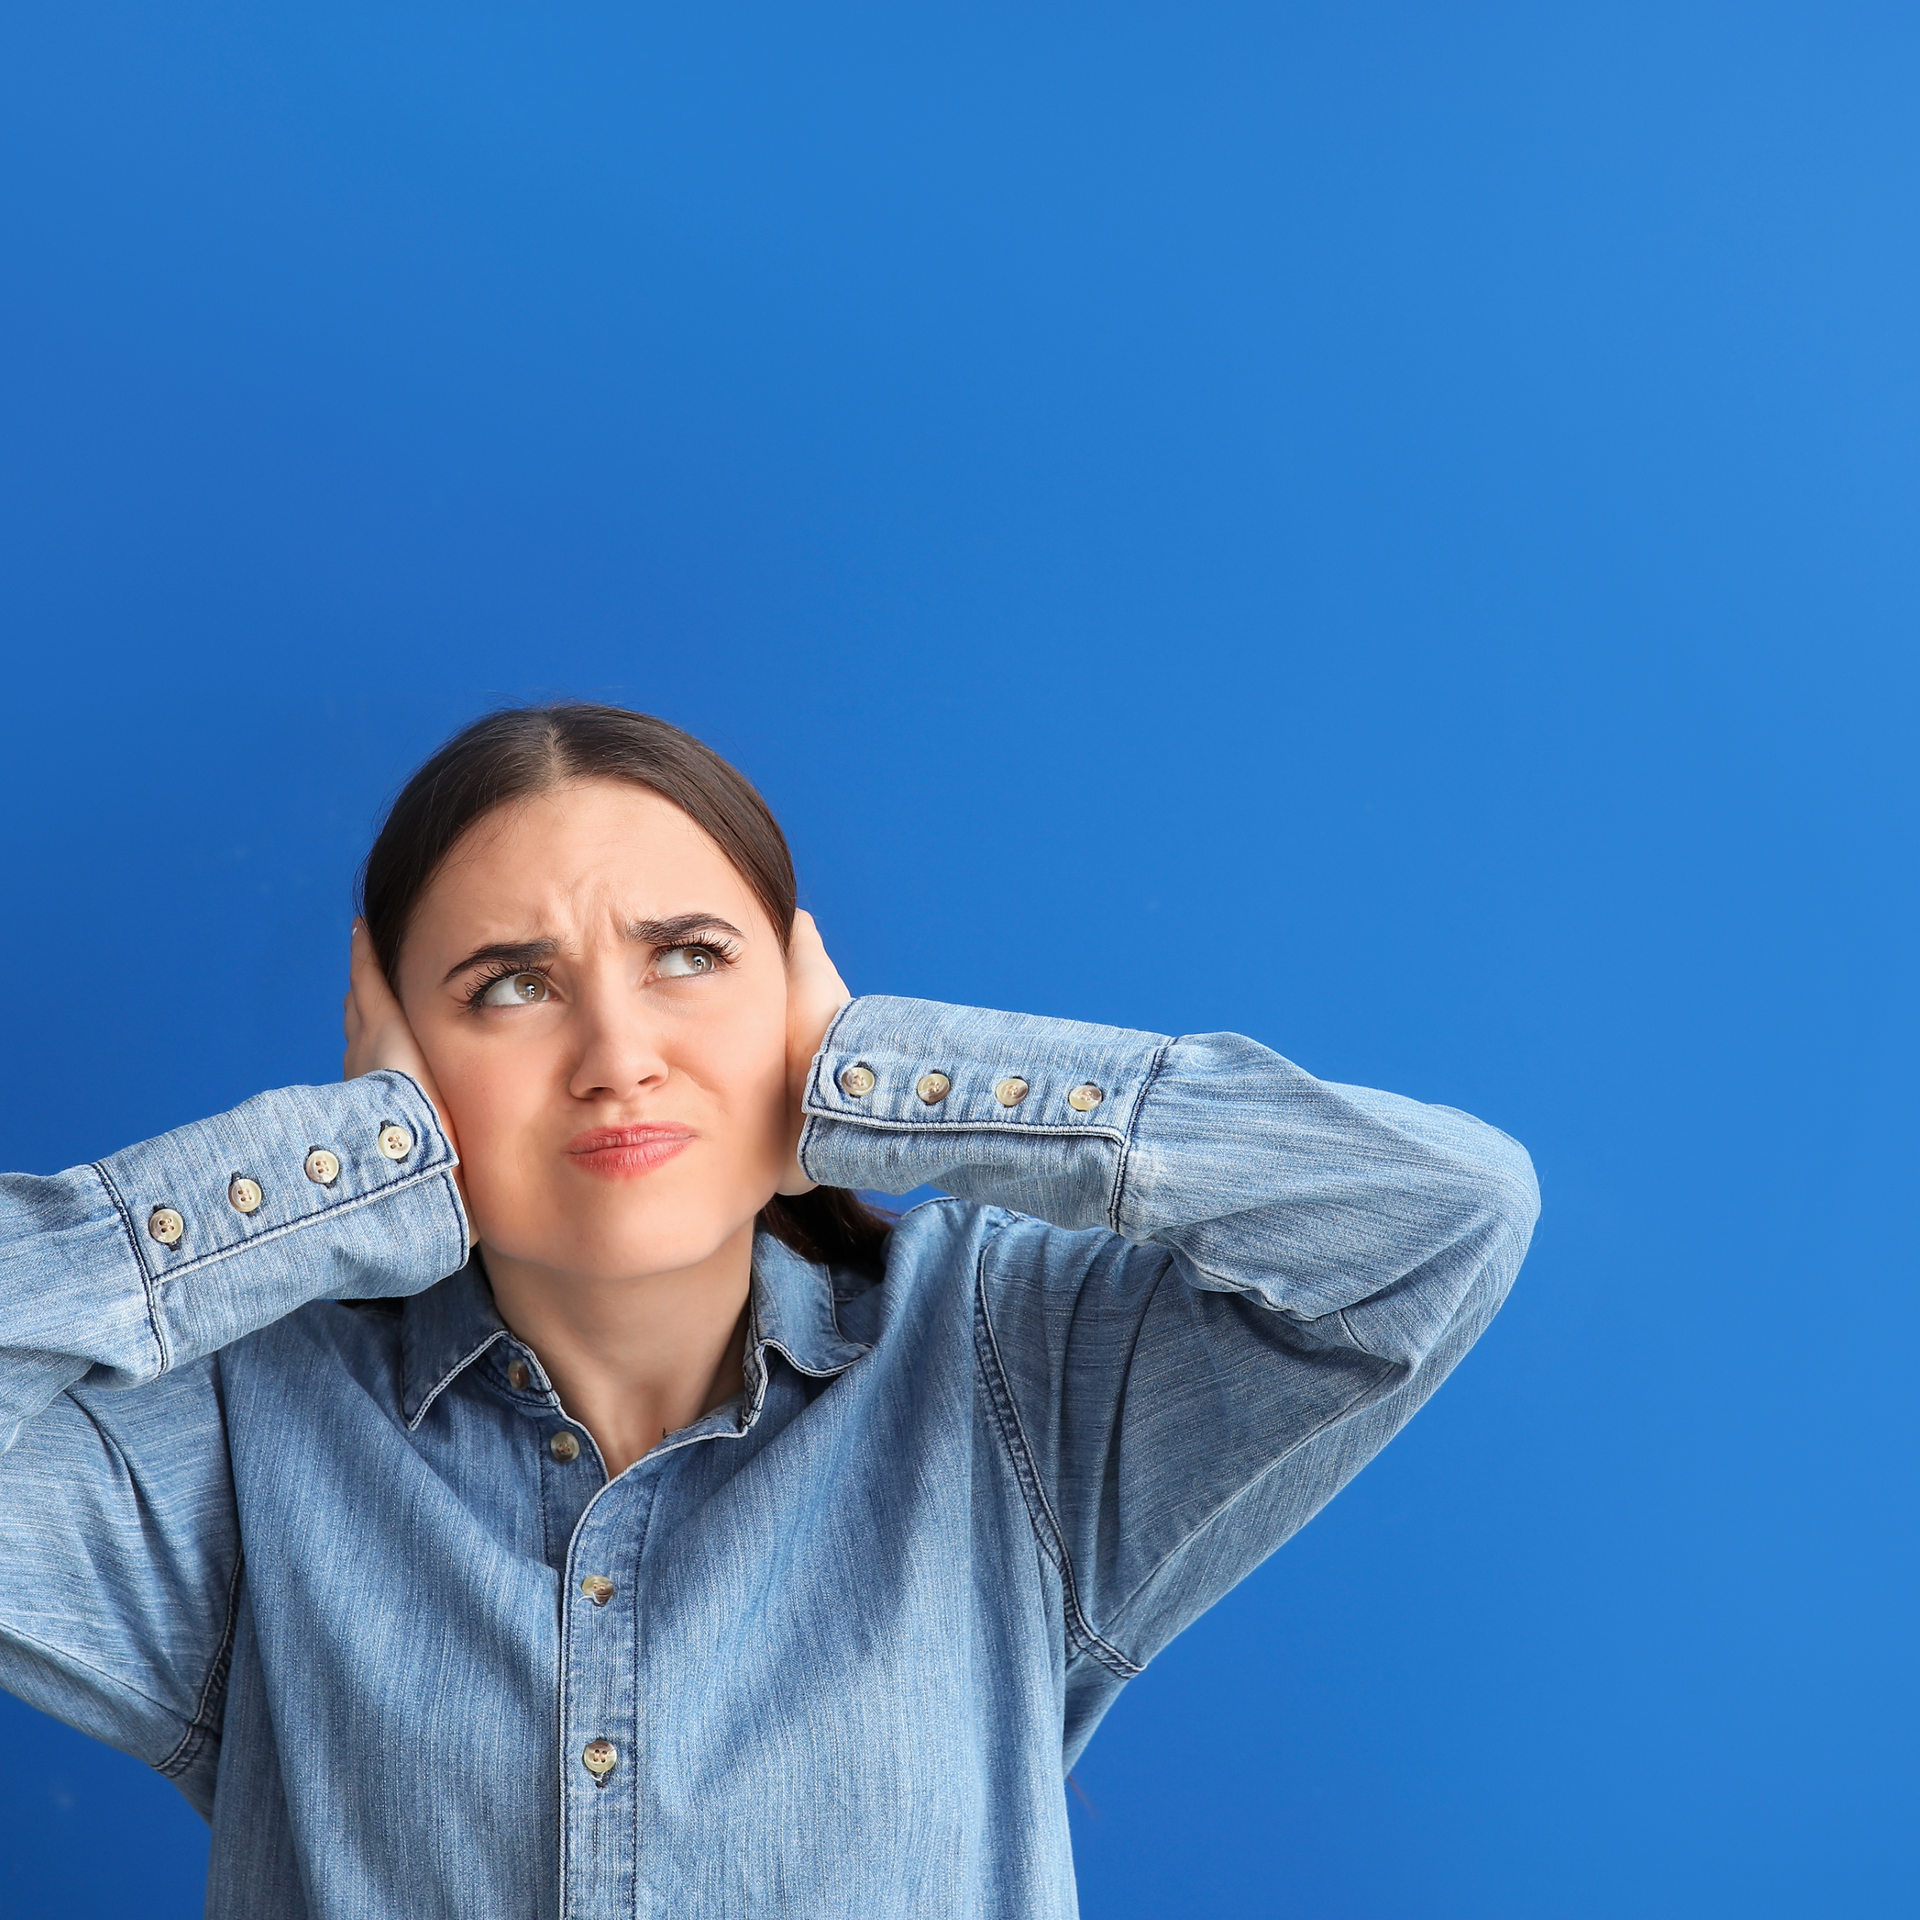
(271, 1234)
(1040, 1513)
(1040, 1519)
(451, 1193)
(815, 1373)
(147, 1282)
(213, 1694)
(452, 1374)
(1035, 1129)
(1119, 1197)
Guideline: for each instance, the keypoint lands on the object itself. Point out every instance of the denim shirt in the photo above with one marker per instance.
(350, 1576)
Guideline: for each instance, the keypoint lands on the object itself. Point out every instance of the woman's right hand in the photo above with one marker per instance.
(815, 993)
(378, 1036)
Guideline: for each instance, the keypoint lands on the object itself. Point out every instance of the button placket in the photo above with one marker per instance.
(601, 1692)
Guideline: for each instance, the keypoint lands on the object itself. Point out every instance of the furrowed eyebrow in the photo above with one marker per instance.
(679, 930)
(651, 933)
(511, 953)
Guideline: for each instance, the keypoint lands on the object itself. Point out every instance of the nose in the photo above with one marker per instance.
(620, 1053)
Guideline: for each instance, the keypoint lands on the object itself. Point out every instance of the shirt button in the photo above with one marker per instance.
(518, 1378)
(598, 1588)
(166, 1226)
(1085, 1099)
(600, 1757)
(564, 1447)
(857, 1081)
(396, 1142)
(243, 1195)
(322, 1167)
(933, 1088)
(1011, 1091)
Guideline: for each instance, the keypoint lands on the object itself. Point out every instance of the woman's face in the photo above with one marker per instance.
(602, 1003)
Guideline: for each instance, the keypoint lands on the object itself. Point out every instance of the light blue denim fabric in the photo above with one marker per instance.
(321, 1565)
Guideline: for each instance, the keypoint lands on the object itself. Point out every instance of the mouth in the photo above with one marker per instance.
(624, 1153)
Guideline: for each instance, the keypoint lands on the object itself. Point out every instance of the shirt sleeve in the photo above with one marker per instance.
(119, 1283)
(1219, 1286)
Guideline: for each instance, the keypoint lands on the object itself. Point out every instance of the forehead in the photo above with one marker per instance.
(583, 848)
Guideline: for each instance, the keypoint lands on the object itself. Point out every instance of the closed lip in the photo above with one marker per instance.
(620, 1153)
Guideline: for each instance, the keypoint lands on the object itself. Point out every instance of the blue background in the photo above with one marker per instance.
(1389, 528)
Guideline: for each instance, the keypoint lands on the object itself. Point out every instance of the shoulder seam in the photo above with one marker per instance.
(213, 1692)
(1081, 1636)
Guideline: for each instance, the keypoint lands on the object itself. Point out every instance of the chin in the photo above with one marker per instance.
(616, 1241)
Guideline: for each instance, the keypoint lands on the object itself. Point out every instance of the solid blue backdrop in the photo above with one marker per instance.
(1387, 528)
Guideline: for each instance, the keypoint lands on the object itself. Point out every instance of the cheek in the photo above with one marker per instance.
(491, 1092)
(744, 1063)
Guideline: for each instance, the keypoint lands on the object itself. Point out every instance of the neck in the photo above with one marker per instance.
(633, 1360)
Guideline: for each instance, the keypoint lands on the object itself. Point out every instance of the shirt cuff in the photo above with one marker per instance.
(1006, 1108)
(301, 1194)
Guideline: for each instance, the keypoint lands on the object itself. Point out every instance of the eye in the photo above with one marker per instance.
(514, 990)
(681, 963)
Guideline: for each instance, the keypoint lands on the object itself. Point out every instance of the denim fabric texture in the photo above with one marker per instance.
(322, 1563)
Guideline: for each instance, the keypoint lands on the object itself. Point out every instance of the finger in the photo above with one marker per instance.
(370, 986)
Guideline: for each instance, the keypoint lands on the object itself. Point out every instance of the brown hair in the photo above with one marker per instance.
(522, 751)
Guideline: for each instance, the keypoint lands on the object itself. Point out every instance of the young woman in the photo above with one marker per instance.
(615, 1517)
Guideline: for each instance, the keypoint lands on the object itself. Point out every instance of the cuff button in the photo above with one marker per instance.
(933, 1088)
(1011, 1091)
(857, 1082)
(243, 1195)
(395, 1142)
(322, 1167)
(166, 1226)
(1085, 1099)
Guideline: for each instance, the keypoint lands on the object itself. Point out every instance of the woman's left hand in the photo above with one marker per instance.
(815, 993)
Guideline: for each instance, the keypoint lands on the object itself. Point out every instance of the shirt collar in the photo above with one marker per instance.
(793, 1310)
(446, 1329)
(443, 1332)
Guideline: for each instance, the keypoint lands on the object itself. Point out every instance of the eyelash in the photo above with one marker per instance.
(724, 951)
(499, 970)
(724, 954)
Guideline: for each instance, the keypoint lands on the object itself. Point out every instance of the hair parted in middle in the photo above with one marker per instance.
(522, 751)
